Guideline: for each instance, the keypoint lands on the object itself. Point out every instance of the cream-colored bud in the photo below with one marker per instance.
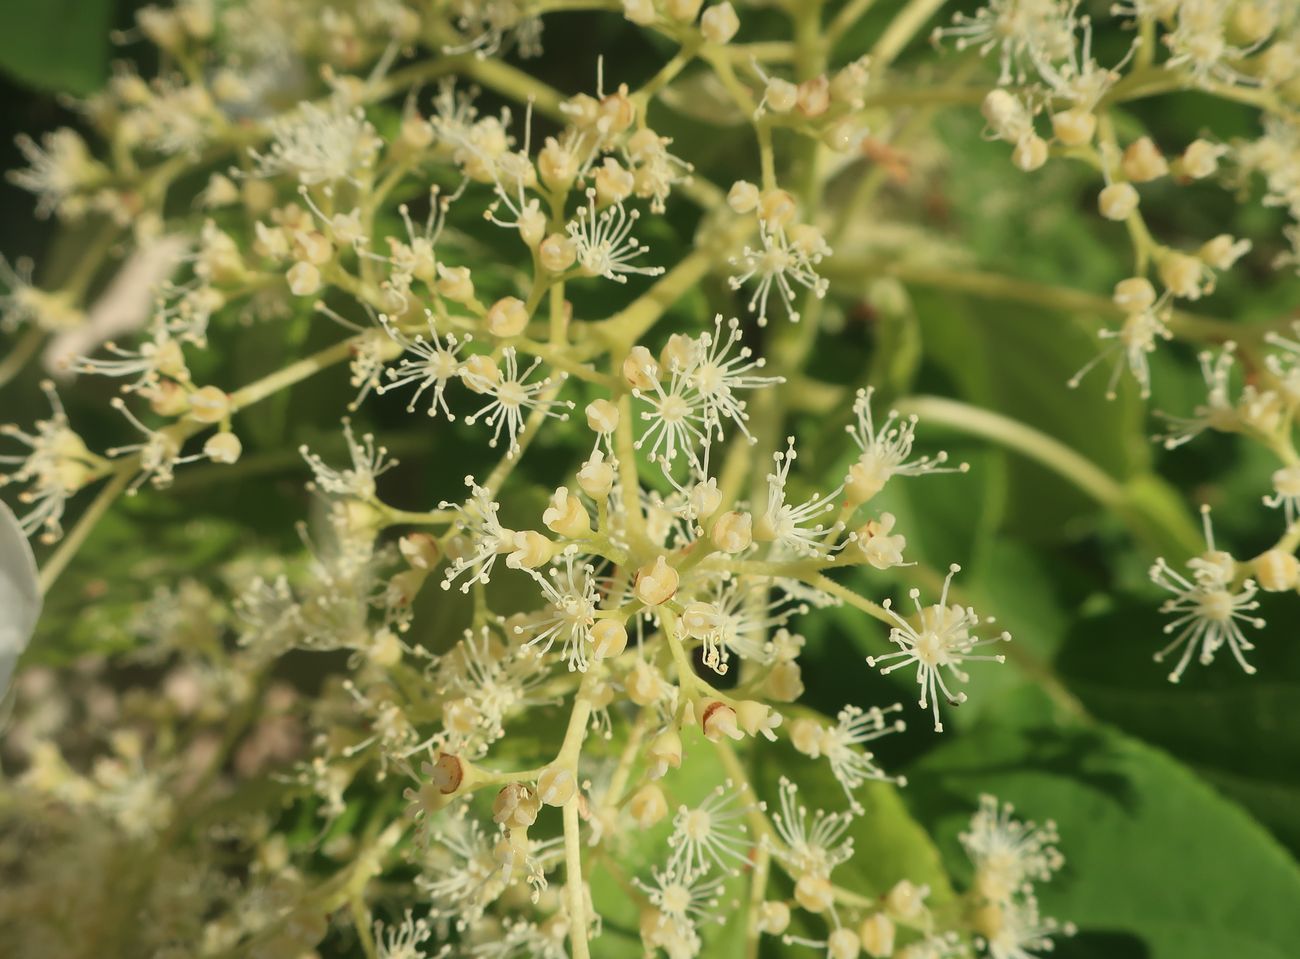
(455, 284)
(596, 477)
(1223, 251)
(447, 773)
(843, 943)
(656, 583)
(386, 651)
(312, 246)
(678, 352)
(664, 753)
(1134, 295)
(743, 197)
(480, 373)
(1030, 153)
(557, 253)
(608, 638)
(1276, 570)
(808, 736)
(258, 195)
(532, 550)
(602, 416)
(1074, 127)
(648, 805)
(784, 683)
(556, 785)
(508, 316)
(1118, 201)
(777, 208)
(614, 183)
(733, 532)
(566, 516)
(773, 917)
(719, 23)
(556, 164)
(220, 191)
(814, 892)
(1142, 161)
(304, 279)
(719, 720)
(1183, 275)
(224, 448)
(705, 498)
(877, 935)
(699, 619)
(643, 684)
(1200, 159)
(780, 95)
(420, 550)
(209, 404)
(814, 96)
(640, 369)
(516, 806)
(532, 226)
(906, 899)
(757, 719)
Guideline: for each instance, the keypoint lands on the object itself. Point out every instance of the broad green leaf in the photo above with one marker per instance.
(59, 45)
(1157, 863)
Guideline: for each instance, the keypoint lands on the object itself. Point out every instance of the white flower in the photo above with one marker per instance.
(1286, 492)
(1217, 411)
(60, 167)
(358, 482)
(736, 617)
(460, 876)
(939, 640)
(403, 940)
(319, 145)
(850, 765)
(57, 465)
(1022, 933)
(711, 833)
(1209, 607)
(483, 538)
(482, 683)
(512, 395)
(1025, 33)
(1009, 854)
(885, 451)
(1199, 42)
(20, 594)
(1135, 341)
(782, 257)
(790, 526)
(717, 374)
(812, 844)
(159, 452)
(604, 242)
(436, 363)
(573, 598)
(683, 902)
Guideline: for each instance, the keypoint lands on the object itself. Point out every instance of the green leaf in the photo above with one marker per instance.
(1157, 863)
(59, 45)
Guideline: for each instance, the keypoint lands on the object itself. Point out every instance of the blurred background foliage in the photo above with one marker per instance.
(1178, 806)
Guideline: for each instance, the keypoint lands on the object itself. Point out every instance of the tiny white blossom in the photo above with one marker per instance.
(812, 843)
(1009, 854)
(319, 145)
(713, 833)
(511, 397)
(885, 450)
(782, 258)
(789, 526)
(436, 363)
(358, 481)
(482, 537)
(604, 242)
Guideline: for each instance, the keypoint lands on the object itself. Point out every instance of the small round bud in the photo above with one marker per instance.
(777, 208)
(224, 448)
(557, 253)
(677, 352)
(877, 935)
(596, 477)
(602, 416)
(773, 917)
(906, 899)
(814, 96)
(386, 651)
(719, 23)
(532, 550)
(814, 892)
(420, 550)
(648, 805)
(608, 638)
(643, 684)
(843, 943)
(742, 197)
(1134, 295)
(1183, 275)
(1030, 153)
(1117, 201)
(1200, 159)
(655, 583)
(556, 786)
(1142, 161)
(566, 516)
(640, 369)
(1223, 251)
(480, 373)
(807, 736)
(209, 404)
(784, 683)
(780, 95)
(1074, 127)
(508, 316)
(614, 183)
(304, 279)
(664, 753)
(719, 720)
(1276, 570)
(733, 532)
(758, 719)
(455, 284)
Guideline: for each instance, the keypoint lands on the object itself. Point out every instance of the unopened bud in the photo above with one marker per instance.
(556, 786)
(656, 583)
(719, 720)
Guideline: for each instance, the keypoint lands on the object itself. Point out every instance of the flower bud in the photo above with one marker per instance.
(807, 736)
(733, 532)
(556, 786)
(678, 352)
(758, 719)
(683, 11)
(655, 583)
(1030, 153)
(420, 550)
(648, 805)
(663, 753)
(843, 943)
(814, 97)
(1142, 161)
(640, 369)
(516, 806)
(719, 23)
(304, 279)
(531, 551)
(1117, 201)
(644, 685)
(1074, 127)
(566, 515)
(557, 253)
(1276, 570)
(447, 773)
(1222, 252)
(455, 284)
(813, 892)
(1134, 295)
(784, 683)
(777, 208)
(480, 373)
(773, 917)
(705, 498)
(224, 448)
(508, 316)
(719, 720)
(780, 95)
(596, 477)
(906, 900)
(608, 638)
(602, 416)
(1200, 159)
(209, 404)
(1183, 275)
(877, 935)
(742, 197)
